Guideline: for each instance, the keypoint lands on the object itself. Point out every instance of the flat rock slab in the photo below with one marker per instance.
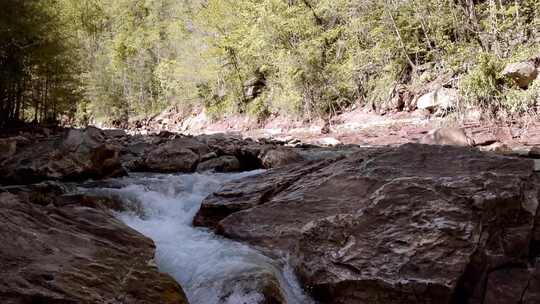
(76, 254)
(415, 224)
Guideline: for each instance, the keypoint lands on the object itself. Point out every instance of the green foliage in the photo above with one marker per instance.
(38, 61)
(132, 58)
(258, 109)
(482, 84)
(519, 101)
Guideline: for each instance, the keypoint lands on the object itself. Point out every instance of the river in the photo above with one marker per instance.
(211, 269)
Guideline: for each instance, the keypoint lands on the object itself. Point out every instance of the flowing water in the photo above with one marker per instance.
(211, 269)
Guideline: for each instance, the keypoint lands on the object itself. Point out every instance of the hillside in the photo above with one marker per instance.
(102, 61)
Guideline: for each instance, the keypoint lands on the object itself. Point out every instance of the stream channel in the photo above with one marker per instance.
(210, 268)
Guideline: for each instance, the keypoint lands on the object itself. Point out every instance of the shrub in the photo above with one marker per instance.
(519, 101)
(481, 86)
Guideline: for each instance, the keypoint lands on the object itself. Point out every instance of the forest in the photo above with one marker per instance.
(112, 61)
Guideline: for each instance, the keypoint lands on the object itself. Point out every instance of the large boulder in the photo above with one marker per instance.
(79, 154)
(180, 154)
(513, 285)
(280, 156)
(415, 224)
(522, 73)
(248, 152)
(76, 254)
(443, 99)
(83, 141)
(246, 193)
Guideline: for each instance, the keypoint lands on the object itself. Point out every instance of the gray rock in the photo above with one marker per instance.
(180, 154)
(80, 154)
(83, 140)
(523, 73)
(442, 99)
(170, 158)
(447, 136)
(279, 157)
(225, 163)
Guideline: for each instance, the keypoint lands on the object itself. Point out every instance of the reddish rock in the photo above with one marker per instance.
(417, 224)
(76, 254)
(250, 192)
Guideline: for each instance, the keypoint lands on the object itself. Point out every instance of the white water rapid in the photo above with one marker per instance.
(211, 269)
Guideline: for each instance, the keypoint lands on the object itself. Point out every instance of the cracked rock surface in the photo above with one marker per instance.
(413, 224)
(73, 250)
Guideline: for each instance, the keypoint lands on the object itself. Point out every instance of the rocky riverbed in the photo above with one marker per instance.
(390, 224)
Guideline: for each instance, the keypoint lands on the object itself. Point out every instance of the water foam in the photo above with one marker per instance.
(206, 265)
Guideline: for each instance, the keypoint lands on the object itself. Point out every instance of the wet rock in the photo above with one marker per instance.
(415, 224)
(132, 154)
(225, 163)
(250, 156)
(93, 153)
(76, 254)
(105, 161)
(447, 136)
(260, 285)
(523, 73)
